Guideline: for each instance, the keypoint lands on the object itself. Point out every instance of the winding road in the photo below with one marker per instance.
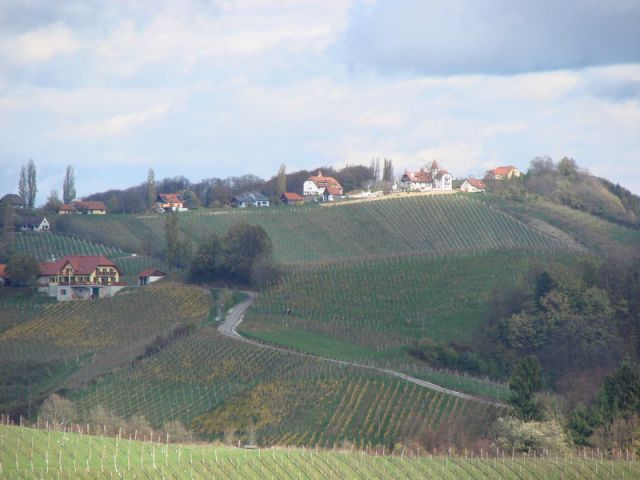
(235, 316)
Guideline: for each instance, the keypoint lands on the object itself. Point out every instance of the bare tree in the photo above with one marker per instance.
(151, 188)
(282, 180)
(32, 188)
(68, 185)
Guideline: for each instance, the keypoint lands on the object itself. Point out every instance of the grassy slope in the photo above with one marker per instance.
(29, 453)
(430, 225)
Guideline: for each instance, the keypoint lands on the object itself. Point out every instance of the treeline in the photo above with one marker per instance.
(566, 183)
(217, 192)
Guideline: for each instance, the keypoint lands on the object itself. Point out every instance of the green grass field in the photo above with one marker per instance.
(30, 453)
(436, 225)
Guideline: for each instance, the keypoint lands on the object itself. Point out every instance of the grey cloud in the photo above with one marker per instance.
(494, 36)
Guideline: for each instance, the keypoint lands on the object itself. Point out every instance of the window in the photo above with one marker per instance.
(63, 291)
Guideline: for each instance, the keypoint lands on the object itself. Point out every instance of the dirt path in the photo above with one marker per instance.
(235, 316)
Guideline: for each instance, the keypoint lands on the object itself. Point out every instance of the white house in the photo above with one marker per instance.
(249, 199)
(33, 224)
(423, 180)
(317, 185)
(473, 185)
(150, 275)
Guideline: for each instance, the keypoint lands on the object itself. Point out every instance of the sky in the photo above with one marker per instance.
(219, 88)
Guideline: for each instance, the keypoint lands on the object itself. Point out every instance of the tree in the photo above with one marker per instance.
(525, 381)
(242, 246)
(53, 202)
(544, 284)
(375, 169)
(206, 266)
(22, 183)
(57, 411)
(172, 237)
(191, 200)
(151, 188)
(32, 188)
(68, 186)
(22, 269)
(387, 170)
(282, 180)
(7, 237)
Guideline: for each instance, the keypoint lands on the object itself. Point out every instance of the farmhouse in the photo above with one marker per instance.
(249, 199)
(33, 224)
(150, 275)
(473, 185)
(86, 207)
(503, 173)
(321, 185)
(170, 202)
(16, 201)
(423, 180)
(76, 277)
(290, 198)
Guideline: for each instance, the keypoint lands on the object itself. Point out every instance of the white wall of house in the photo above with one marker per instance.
(310, 188)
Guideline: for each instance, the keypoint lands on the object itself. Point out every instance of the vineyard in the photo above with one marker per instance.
(213, 383)
(47, 246)
(31, 453)
(385, 304)
(437, 225)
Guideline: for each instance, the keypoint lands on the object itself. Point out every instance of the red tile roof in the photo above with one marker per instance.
(292, 197)
(418, 177)
(66, 208)
(474, 182)
(152, 272)
(81, 264)
(322, 182)
(89, 205)
(171, 198)
(332, 190)
(3, 271)
(503, 170)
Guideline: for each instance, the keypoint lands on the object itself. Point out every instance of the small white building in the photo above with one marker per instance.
(250, 199)
(150, 275)
(473, 185)
(33, 224)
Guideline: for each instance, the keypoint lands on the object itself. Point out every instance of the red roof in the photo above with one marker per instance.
(3, 271)
(171, 198)
(474, 182)
(434, 165)
(292, 197)
(152, 272)
(66, 208)
(322, 182)
(503, 170)
(89, 205)
(333, 190)
(81, 264)
(418, 177)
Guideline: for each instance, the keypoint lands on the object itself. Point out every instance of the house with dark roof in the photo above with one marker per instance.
(291, 198)
(503, 173)
(16, 201)
(150, 275)
(473, 185)
(425, 180)
(170, 202)
(249, 199)
(80, 277)
(317, 185)
(33, 224)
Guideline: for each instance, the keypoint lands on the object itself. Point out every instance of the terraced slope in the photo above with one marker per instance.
(379, 305)
(436, 225)
(213, 384)
(30, 453)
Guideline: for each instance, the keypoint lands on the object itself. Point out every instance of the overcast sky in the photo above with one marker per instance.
(217, 88)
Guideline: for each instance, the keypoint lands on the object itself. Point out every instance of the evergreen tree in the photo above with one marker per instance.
(525, 381)
(151, 188)
(7, 239)
(68, 186)
(544, 284)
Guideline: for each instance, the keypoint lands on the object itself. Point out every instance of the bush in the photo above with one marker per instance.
(513, 434)
(57, 411)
